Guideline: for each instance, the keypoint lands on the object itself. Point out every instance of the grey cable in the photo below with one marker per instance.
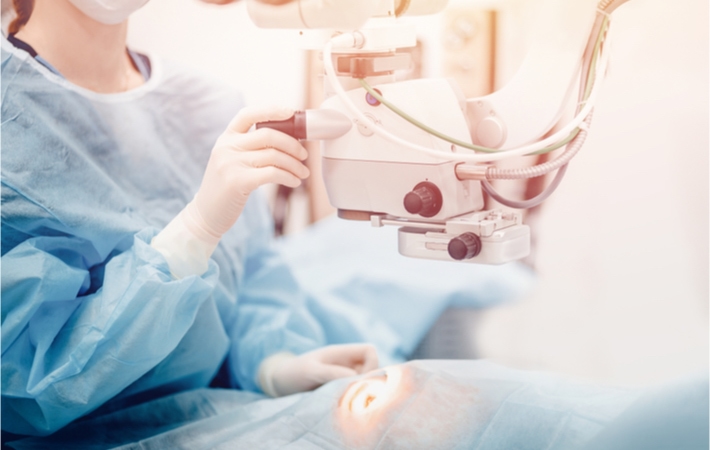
(530, 203)
(542, 169)
(613, 5)
(561, 162)
(572, 148)
(493, 173)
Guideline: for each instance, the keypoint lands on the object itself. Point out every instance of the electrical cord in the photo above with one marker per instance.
(599, 30)
(610, 6)
(606, 7)
(560, 163)
(526, 204)
(352, 40)
(493, 173)
(444, 137)
(564, 158)
(573, 135)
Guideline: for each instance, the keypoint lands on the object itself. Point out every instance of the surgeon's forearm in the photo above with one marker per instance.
(186, 247)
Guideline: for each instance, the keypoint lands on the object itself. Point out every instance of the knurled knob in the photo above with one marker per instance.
(465, 246)
(425, 199)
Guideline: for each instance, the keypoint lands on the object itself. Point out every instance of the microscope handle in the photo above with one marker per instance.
(312, 124)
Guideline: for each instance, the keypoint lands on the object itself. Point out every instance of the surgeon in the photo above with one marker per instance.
(136, 250)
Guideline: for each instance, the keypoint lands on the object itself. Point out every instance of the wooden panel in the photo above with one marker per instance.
(468, 43)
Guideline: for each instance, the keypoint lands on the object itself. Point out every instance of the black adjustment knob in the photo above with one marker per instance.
(425, 199)
(465, 246)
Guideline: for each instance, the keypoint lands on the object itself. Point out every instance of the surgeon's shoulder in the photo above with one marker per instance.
(6, 50)
(4, 56)
(199, 92)
(14, 87)
(9, 67)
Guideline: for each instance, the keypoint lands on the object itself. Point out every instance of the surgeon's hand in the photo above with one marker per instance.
(285, 374)
(240, 162)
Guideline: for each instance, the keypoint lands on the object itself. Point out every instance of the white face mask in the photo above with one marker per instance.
(110, 12)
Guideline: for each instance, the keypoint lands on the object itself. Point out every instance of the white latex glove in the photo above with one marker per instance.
(240, 162)
(286, 374)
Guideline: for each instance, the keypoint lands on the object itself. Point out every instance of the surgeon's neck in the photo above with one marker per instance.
(87, 53)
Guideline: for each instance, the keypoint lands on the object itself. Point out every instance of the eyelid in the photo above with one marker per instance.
(355, 395)
(373, 392)
(377, 389)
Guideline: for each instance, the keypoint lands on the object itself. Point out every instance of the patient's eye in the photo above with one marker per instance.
(372, 393)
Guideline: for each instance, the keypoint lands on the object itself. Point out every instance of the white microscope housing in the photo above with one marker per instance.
(371, 177)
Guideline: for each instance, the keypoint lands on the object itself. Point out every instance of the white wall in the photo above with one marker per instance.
(623, 244)
(222, 41)
(623, 248)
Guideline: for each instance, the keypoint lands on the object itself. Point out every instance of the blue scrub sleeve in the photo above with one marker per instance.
(271, 314)
(71, 342)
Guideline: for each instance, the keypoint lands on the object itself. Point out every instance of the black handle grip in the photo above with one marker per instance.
(295, 126)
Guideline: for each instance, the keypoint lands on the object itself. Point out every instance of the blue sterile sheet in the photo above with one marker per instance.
(436, 404)
(355, 271)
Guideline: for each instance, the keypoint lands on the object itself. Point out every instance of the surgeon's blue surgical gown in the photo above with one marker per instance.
(90, 312)
(89, 309)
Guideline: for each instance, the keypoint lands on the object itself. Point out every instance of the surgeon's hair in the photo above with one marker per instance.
(23, 10)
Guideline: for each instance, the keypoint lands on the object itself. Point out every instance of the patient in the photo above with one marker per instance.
(420, 404)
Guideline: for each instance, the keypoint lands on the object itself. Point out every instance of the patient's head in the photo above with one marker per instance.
(404, 405)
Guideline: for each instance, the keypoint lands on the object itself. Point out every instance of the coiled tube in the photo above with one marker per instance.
(494, 173)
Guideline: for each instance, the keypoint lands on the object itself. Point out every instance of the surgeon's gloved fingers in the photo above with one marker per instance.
(291, 374)
(324, 373)
(250, 115)
(276, 175)
(275, 158)
(302, 374)
(265, 138)
(370, 361)
(360, 357)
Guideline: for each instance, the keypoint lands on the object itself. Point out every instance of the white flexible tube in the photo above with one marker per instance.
(493, 173)
(530, 203)
(574, 147)
(350, 40)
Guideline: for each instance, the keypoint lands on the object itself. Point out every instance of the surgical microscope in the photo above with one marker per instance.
(417, 154)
